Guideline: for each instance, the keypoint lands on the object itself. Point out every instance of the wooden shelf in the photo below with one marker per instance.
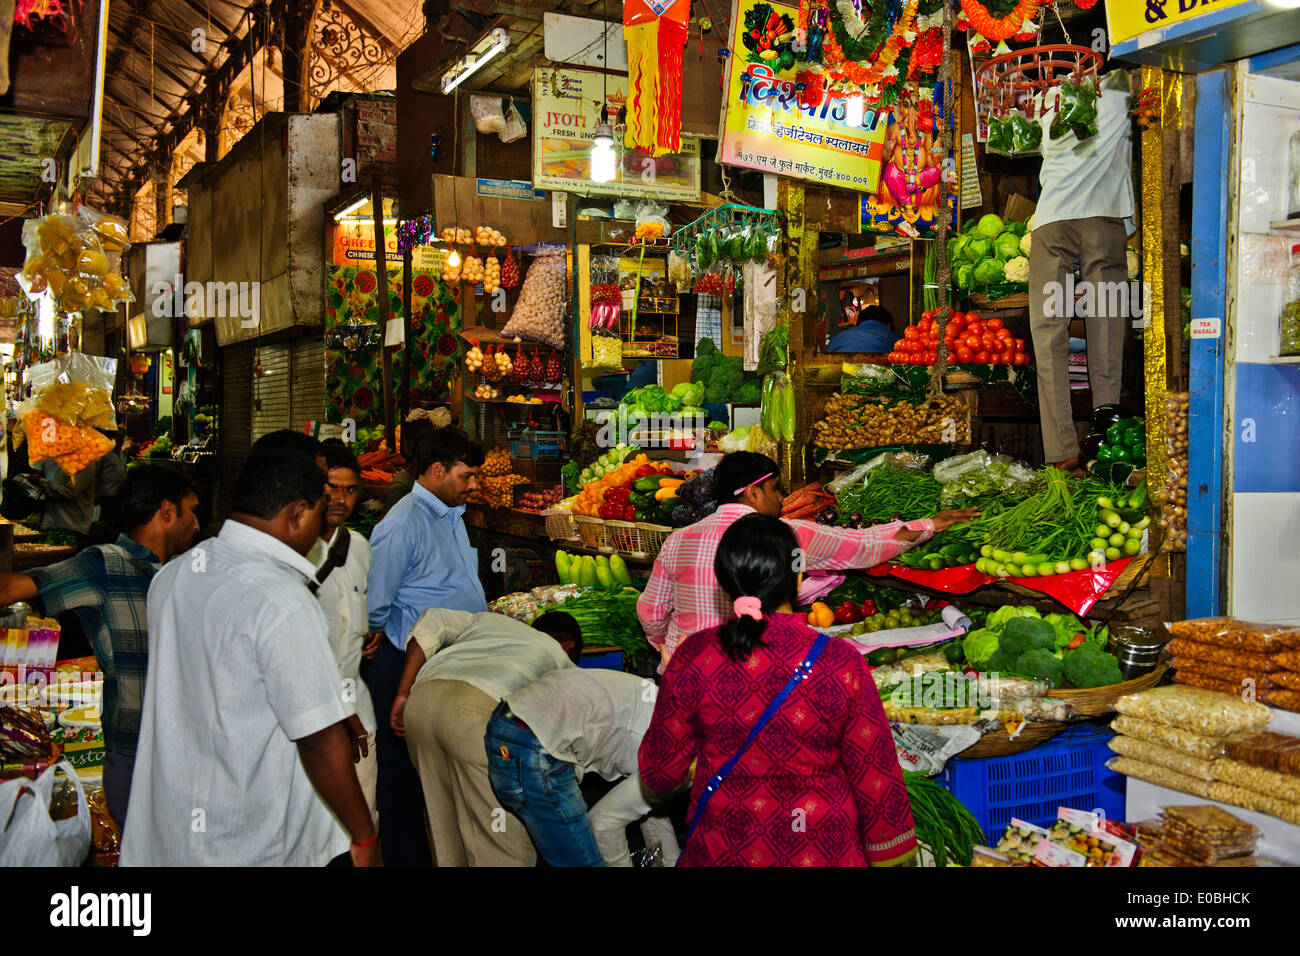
(1286, 225)
(487, 336)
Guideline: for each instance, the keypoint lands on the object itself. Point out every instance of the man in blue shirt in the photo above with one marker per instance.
(873, 333)
(421, 558)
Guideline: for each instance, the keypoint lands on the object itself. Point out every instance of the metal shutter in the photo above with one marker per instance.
(307, 398)
(270, 389)
(236, 422)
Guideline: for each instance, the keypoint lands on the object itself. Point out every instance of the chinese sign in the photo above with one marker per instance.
(354, 245)
(566, 111)
(764, 126)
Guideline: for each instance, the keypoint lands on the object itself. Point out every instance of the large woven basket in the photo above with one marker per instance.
(999, 743)
(622, 536)
(653, 537)
(592, 531)
(561, 526)
(1095, 701)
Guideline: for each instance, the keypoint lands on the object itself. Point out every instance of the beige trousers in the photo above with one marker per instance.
(1094, 248)
(368, 776)
(445, 724)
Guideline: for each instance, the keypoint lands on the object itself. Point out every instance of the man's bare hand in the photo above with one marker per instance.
(373, 640)
(357, 734)
(946, 519)
(367, 855)
(396, 719)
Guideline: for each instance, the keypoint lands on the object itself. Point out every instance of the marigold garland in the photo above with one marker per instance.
(998, 28)
(866, 74)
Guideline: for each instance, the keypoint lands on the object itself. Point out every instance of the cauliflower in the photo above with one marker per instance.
(1029, 223)
(1025, 242)
(1017, 269)
(1134, 262)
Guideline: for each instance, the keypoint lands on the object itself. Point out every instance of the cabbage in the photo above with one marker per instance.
(988, 272)
(1006, 246)
(989, 226)
(979, 646)
(963, 275)
(735, 441)
(958, 252)
(979, 248)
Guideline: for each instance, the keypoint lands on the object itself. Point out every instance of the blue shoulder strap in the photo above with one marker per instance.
(800, 673)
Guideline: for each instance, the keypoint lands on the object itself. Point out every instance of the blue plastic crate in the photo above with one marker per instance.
(1067, 771)
(607, 660)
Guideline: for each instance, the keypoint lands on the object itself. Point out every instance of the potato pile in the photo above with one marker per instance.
(539, 314)
(858, 421)
(1173, 496)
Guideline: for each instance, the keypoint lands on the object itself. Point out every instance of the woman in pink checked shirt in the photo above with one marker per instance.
(683, 596)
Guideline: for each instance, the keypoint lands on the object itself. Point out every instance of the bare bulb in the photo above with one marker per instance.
(453, 260)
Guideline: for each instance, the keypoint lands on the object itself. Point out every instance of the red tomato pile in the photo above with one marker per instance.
(971, 341)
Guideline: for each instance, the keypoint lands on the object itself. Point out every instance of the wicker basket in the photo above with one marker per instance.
(1131, 571)
(1096, 701)
(623, 536)
(561, 525)
(999, 743)
(653, 537)
(592, 532)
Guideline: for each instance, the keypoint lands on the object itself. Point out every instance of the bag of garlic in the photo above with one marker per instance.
(539, 313)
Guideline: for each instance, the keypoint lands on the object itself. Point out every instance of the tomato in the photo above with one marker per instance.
(982, 358)
(1008, 357)
(950, 335)
(974, 325)
(956, 321)
(911, 333)
(973, 343)
(964, 355)
(930, 359)
(918, 358)
(931, 341)
(1021, 359)
(994, 324)
(989, 340)
(900, 344)
(928, 316)
(1020, 345)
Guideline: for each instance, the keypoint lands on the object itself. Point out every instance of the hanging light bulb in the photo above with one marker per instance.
(853, 111)
(453, 260)
(602, 152)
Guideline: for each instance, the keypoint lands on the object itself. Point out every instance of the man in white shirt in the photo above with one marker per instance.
(458, 667)
(1079, 227)
(243, 759)
(342, 560)
(543, 738)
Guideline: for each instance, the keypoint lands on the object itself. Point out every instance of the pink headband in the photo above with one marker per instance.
(756, 481)
(748, 605)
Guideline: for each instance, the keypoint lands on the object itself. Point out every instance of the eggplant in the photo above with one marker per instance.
(828, 516)
(1088, 446)
(1106, 415)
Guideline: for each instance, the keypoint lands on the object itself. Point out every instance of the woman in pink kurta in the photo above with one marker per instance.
(820, 785)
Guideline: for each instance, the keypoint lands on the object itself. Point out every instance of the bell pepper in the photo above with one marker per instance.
(847, 613)
(663, 494)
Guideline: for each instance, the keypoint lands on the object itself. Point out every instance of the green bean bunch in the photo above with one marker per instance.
(943, 823)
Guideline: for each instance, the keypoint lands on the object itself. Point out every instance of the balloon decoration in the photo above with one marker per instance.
(655, 32)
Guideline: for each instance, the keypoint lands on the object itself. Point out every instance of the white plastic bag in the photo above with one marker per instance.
(515, 127)
(486, 110)
(28, 837)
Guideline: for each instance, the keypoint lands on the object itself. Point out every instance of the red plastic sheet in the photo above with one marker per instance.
(1077, 590)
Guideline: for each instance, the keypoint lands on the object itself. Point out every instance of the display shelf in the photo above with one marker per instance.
(1284, 359)
(1286, 225)
(486, 336)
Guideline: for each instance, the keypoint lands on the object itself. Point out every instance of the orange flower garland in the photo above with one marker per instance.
(870, 74)
(994, 28)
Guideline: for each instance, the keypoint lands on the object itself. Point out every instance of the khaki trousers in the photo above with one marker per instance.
(1094, 248)
(445, 724)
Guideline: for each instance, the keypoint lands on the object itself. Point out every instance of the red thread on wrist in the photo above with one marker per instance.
(362, 846)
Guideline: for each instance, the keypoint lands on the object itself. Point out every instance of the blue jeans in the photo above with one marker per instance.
(542, 791)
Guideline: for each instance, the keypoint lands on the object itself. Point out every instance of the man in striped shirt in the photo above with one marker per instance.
(683, 596)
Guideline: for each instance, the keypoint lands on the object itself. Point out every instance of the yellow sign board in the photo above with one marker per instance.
(566, 111)
(765, 127)
(1126, 19)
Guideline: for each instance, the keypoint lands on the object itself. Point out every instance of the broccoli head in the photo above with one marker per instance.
(1021, 634)
(750, 392)
(1000, 662)
(705, 346)
(703, 366)
(1040, 663)
(1090, 666)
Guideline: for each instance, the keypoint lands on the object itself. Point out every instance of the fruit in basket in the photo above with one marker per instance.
(540, 500)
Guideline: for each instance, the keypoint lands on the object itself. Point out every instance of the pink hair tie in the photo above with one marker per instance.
(749, 605)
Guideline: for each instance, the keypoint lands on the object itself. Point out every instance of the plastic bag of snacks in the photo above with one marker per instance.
(1238, 635)
(1171, 738)
(76, 258)
(1173, 496)
(1200, 711)
(1163, 756)
(1226, 656)
(72, 396)
(539, 313)
(1160, 776)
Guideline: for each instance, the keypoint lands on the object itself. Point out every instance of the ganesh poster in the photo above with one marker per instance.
(768, 126)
